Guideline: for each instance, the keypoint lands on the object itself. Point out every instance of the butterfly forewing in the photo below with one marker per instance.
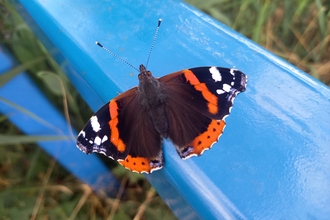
(95, 135)
(222, 83)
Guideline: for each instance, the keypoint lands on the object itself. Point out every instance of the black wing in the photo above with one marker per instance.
(197, 102)
(122, 131)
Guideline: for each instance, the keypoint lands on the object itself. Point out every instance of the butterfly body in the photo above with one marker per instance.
(151, 96)
(188, 107)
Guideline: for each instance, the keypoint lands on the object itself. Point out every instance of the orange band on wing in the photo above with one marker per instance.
(114, 139)
(113, 108)
(205, 140)
(137, 164)
(210, 98)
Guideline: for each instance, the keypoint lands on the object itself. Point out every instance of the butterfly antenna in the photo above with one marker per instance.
(115, 55)
(153, 41)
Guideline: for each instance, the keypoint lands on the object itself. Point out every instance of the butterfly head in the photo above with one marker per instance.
(145, 75)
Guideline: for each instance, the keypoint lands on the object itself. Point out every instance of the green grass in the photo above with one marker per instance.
(296, 30)
(34, 186)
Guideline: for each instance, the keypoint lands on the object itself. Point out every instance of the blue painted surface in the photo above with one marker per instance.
(22, 92)
(272, 161)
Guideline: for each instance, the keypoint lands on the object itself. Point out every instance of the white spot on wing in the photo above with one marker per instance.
(104, 139)
(82, 133)
(215, 74)
(97, 140)
(220, 91)
(95, 123)
(226, 87)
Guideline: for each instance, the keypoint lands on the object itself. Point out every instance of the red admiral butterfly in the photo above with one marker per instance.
(189, 107)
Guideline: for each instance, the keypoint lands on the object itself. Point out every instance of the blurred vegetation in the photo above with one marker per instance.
(34, 186)
(296, 30)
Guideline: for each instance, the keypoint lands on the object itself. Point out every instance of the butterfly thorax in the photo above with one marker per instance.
(150, 93)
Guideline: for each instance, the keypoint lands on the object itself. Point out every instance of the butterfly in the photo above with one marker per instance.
(188, 107)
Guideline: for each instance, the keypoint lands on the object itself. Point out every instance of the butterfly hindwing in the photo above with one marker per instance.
(122, 131)
(197, 102)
